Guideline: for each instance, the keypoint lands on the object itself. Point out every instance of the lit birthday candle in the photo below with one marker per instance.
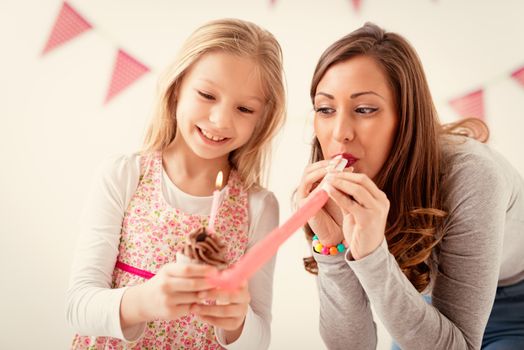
(216, 203)
(266, 248)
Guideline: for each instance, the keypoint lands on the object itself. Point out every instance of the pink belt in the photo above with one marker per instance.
(133, 270)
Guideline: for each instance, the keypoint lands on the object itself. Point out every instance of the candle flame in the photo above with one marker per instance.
(218, 183)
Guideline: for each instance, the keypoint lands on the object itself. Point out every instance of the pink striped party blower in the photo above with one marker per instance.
(264, 250)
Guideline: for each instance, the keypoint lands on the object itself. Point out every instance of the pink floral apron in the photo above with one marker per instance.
(152, 233)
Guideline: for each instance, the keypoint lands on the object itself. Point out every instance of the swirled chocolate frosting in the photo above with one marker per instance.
(205, 248)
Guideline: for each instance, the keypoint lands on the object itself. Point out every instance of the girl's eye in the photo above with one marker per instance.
(206, 96)
(366, 110)
(245, 110)
(324, 110)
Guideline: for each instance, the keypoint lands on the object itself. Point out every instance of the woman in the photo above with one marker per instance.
(423, 209)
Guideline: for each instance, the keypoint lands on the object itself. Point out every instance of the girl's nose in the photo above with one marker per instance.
(221, 117)
(343, 129)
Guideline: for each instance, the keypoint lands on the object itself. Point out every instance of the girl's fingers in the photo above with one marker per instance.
(221, 311)
(220, 322)
(188, 298)
(225, 297)
(188, 270)
(177, 284)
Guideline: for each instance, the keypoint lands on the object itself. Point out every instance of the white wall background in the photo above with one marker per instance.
(54, 129)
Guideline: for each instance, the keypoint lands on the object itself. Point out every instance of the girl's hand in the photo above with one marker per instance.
(365, 210)
(229, 312)
(327, 223)
(168, 295)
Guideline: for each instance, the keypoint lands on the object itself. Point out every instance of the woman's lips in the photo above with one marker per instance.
(349, 157)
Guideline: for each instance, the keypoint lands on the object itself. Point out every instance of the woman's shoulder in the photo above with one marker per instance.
(469, 159)
(456, 149)
(469, 166)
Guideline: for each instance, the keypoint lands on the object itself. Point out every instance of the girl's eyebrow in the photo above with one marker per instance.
(246, 97)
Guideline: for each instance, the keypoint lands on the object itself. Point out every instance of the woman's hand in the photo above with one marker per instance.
(327, 223)
(365, 210)
(229, 312)
(168, 295)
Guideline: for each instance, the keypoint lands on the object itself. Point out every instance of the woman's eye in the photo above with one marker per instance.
(245, 110)
(324, 110)
(206, 96)
(366, 110)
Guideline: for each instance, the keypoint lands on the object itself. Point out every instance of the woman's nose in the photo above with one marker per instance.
(343, 129)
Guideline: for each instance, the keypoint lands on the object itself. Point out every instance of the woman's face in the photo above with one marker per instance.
(355, 114)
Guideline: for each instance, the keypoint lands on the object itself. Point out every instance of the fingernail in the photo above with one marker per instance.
(351, 169)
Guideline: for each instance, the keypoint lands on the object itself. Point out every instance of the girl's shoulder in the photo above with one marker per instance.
(120, 166)
(261, 199)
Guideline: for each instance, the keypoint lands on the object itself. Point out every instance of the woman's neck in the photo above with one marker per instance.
(190, 173)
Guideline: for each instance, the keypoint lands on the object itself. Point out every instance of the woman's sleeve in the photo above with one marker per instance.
(256, 333)
(346, 321)
(468, 267)
(92, 307)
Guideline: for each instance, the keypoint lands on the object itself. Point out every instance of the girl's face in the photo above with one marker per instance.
(355, 114)
(219, 104)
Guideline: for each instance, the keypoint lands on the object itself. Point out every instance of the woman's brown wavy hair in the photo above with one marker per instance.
(411, 175)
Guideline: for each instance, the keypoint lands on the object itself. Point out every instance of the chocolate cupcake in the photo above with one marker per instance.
(203, 248)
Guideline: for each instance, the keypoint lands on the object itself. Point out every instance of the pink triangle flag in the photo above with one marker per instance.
(125, 72)
(356, 5)
(518, 75)
(68, 25)
(470, 105)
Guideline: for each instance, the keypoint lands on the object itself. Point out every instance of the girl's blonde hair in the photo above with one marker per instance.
(243, 39)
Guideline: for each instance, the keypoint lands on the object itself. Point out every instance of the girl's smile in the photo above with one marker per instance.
(211, 138)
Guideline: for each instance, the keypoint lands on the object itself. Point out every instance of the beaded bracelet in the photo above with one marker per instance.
(328, 250)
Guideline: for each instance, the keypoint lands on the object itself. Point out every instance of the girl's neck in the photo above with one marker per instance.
(190, 173)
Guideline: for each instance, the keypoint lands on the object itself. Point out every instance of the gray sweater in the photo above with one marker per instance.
(482, 247)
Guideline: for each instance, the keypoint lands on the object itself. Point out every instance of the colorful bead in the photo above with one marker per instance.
(328, 250)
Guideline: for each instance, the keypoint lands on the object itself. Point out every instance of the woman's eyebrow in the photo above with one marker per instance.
(324, 94)
(357, 94)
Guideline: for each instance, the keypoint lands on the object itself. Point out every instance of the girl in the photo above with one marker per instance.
(421, 210)
(220, 105)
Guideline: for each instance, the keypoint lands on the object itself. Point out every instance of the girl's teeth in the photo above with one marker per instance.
(212, 137)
